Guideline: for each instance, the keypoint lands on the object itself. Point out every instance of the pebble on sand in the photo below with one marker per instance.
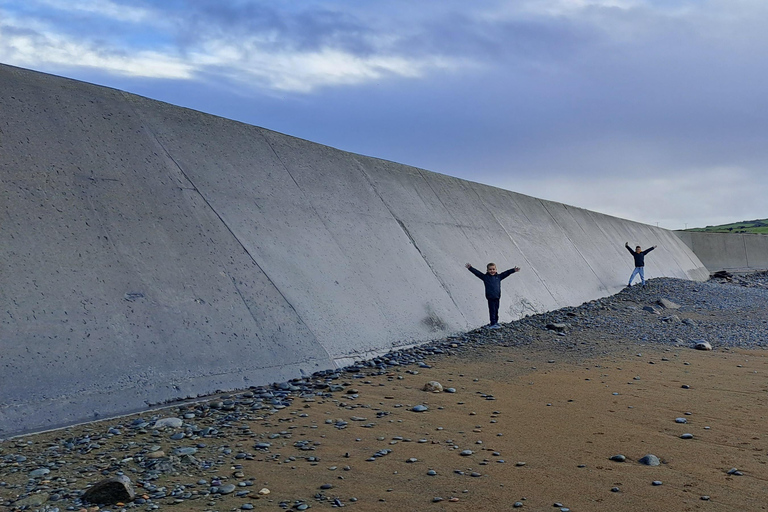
(650, 460)
(433, 387)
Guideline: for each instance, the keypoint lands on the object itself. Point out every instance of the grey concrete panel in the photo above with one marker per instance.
(116, 292)
(311, 219)
(728, 251)
(156, 253)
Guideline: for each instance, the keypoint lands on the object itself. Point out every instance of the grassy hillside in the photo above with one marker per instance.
(745, 226)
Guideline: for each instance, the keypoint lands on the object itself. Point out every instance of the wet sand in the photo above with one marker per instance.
(555, 420)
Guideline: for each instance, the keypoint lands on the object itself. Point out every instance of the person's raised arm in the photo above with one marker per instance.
(474, 270)
(507, 273)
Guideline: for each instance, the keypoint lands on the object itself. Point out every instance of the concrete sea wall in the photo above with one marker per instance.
(728, 251)
(152, 252)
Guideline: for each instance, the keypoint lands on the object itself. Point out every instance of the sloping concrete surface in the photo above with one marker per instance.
(153, 253)
(728, 251)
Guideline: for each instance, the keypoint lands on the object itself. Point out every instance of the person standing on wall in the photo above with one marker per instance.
(639, 256)
(492, 281)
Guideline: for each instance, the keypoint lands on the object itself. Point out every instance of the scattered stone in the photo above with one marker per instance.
(420, 408)
(735, 472)
(681, 420)
(168, 422)
(656, 482)
(649, 460)
(668, 304)
(37, 473)
(686, 436)
(702, 345)
(35, 500)
(618, 458)
(226, 489)
(433, 387)
(110, 491)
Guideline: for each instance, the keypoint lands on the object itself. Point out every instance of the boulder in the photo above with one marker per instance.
(557, 327)
(668, 304)
(110, 491)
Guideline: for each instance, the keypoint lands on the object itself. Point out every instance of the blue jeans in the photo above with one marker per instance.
(493, 310)
(638, 270)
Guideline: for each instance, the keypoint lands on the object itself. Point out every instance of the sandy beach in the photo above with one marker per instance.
(531, 426)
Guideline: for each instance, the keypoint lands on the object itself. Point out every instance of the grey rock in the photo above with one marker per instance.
(668, 304)
(649, 460)
(34, 500)
(702, 345)
(168, 422)
(37, 473)
(110, 491)
(226, 489)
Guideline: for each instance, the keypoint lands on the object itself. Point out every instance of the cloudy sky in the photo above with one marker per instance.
(652, 110)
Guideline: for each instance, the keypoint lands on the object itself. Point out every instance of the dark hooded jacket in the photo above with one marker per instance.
(639, 256)
(492, 283)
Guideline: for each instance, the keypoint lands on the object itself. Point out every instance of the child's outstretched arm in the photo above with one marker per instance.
(509, 272)
(474, 270)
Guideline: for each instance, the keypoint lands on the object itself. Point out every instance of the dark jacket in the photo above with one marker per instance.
(492, 283)
(639, 256)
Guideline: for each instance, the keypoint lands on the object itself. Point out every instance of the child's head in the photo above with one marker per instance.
(637, 249)
(491, 268)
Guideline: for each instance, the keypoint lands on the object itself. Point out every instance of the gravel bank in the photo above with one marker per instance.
(215, 454)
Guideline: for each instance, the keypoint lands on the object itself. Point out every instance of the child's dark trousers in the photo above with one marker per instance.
(493, 310)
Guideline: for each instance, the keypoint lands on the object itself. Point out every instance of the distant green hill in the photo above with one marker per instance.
(746, 226)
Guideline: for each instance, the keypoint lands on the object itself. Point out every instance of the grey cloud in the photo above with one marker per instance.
(301, 28)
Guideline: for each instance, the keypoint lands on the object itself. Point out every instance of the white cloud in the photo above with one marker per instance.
(262, 61)
(101, 8)
(38, 51)
(305, 71)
